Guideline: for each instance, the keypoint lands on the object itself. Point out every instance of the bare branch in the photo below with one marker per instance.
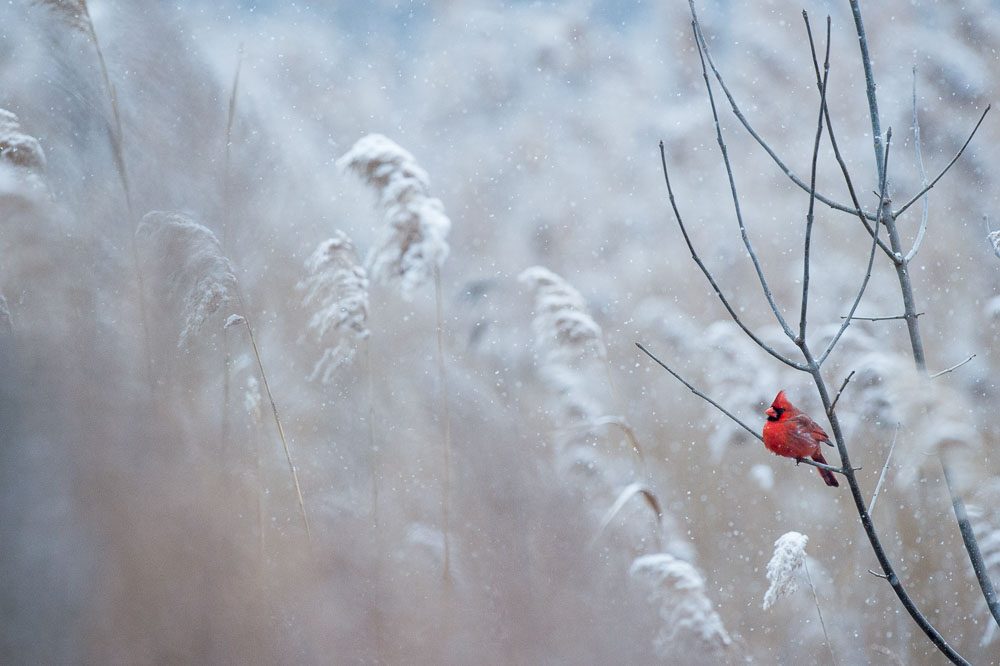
(700, 38)
(971, 545)
(699, 393)
(864, 217)
(833, 405)
(708, 274)
(954, 367)
(945, 170)
(736, 198)
(876, 241)
(829, 468)
(923, 174)
(812, 180)
(881, 478)
(918, 355)
(871, 260)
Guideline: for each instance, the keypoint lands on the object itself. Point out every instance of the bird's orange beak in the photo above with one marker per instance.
(770, 412)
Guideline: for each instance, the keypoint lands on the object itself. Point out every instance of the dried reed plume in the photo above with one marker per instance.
(414, 244)
(199, 282)
(567, 339)
(411, 251)
(789, 556)
(187, 257)
(73, 13)
(337, 286)
(690, 626)
(76, 15)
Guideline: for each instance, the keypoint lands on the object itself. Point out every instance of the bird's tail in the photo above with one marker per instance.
(827, 475)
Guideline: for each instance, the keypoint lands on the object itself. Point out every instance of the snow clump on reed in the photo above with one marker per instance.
(414, 244)
(337, 286)
(789, 556)
(186, 258)
(567, 341)
(689, 623)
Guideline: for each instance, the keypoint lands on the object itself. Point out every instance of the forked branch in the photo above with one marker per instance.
(708, 274)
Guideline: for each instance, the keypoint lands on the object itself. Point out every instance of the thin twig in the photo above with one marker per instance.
(874, 231)
(725, 411)
(812, 183)
(699, 393)
(954, 367)
(945, 170)
(919, 314)
(752, 132)
(819, 465)
(736, 199)
(864, 217)
(868, 270)
(923, 174)
(833, 405)
(885, 467)
(708, 274)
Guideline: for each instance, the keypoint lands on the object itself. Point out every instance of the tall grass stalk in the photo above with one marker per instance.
(410, 252)
(277, 420)
(446, 425)
(76, 15)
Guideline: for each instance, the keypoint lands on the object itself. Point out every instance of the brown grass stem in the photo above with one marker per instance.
(277, 422)
(446, 425)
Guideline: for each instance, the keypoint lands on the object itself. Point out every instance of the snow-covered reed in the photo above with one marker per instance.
(689, 624)
(414, 243)
(336, 286)
(788, 558)
(567, 343)
(16, 147)
(194, 276)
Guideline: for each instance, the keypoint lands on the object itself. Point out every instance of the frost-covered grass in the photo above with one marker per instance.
(146, 503)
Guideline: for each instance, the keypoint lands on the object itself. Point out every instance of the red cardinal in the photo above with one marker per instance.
(788, 432)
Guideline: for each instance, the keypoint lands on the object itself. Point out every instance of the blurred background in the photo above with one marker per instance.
(147, 513)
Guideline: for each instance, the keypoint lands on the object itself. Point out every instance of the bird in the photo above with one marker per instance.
(791, 433)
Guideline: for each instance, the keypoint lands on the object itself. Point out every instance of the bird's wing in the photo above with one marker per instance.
(808, 427)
